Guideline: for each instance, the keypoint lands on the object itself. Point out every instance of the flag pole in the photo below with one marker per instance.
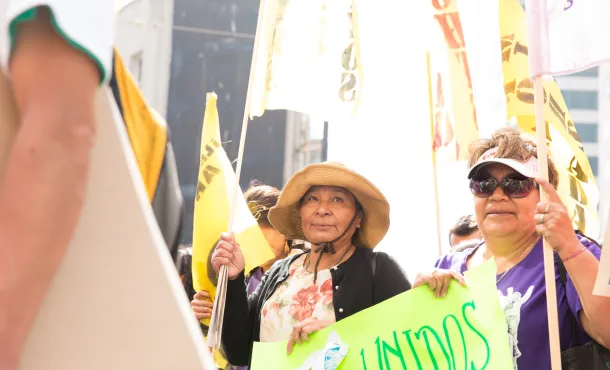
(538, 54)
(549, 261)
(434, 168)
(216, 321)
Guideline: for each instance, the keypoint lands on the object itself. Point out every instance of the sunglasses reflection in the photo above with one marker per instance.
(514, 186)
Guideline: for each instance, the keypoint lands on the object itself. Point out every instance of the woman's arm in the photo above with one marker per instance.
(43, 189)
(239, 318)
(582, 271)
(581, 264)
(389, 279)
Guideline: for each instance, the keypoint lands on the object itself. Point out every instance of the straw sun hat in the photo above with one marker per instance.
(285, 216)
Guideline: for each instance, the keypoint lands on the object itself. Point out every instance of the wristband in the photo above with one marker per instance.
(579, 251)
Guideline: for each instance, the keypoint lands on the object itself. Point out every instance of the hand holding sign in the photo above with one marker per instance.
(301, 331)
(553, 221)
(228, 254)
(438, 280)
(413, 330)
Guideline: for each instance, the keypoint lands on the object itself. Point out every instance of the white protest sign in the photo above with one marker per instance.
(116, 301)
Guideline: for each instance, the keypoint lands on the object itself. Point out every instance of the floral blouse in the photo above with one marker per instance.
(295, 300)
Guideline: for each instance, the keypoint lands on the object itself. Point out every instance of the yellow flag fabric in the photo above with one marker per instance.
(577, 185)
(454, 117)
(215, 188)
(147, 130)
(307, 59)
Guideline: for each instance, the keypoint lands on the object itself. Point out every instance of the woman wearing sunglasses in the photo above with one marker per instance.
(513, 220)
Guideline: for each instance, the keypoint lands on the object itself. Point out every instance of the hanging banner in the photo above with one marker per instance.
(457, 70)
(453, 116)
(307, 59)
(567, 36)
(577, 185)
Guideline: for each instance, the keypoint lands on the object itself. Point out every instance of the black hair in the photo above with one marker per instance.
(465, 226)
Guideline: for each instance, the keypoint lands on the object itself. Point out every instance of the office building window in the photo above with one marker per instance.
(591, 72)
(587, 132)
(580, 99)
(594, 163)
(135, 66)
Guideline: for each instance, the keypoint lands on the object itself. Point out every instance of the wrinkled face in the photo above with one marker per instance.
(500, 215)
(326, 212)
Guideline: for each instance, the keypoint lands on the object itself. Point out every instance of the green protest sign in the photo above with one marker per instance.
(415, 330)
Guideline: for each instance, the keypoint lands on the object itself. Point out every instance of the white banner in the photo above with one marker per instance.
(307, 59)
(567, 36)
(92, 316)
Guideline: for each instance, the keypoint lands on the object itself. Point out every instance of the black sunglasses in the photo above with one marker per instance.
(512, 186)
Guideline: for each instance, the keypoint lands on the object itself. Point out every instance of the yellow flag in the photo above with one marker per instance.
(147, 130)
(215, 188)
(577, 185)
(454, 117)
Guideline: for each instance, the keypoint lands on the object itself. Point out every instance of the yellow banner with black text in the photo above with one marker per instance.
(577, 185)
(215, 189)
(454, 116)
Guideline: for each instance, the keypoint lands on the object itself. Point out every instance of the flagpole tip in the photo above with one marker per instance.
(210, 97)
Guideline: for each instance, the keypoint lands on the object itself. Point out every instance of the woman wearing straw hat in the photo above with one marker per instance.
(344, 216)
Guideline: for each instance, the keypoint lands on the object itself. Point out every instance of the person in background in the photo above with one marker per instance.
(260, 199)
(465, 229)
(344, 216)
(513, 221)
(184, 261)
(465, 245)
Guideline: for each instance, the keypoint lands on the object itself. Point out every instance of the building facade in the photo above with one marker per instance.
(179, 50)
(144, 40)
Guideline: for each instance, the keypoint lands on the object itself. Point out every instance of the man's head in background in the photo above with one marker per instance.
(464, 230)
(184, 261)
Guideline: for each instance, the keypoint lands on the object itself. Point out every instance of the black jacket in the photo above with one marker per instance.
(355, 289)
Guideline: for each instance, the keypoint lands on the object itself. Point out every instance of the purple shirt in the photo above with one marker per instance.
(522, 294)
(254, 280)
